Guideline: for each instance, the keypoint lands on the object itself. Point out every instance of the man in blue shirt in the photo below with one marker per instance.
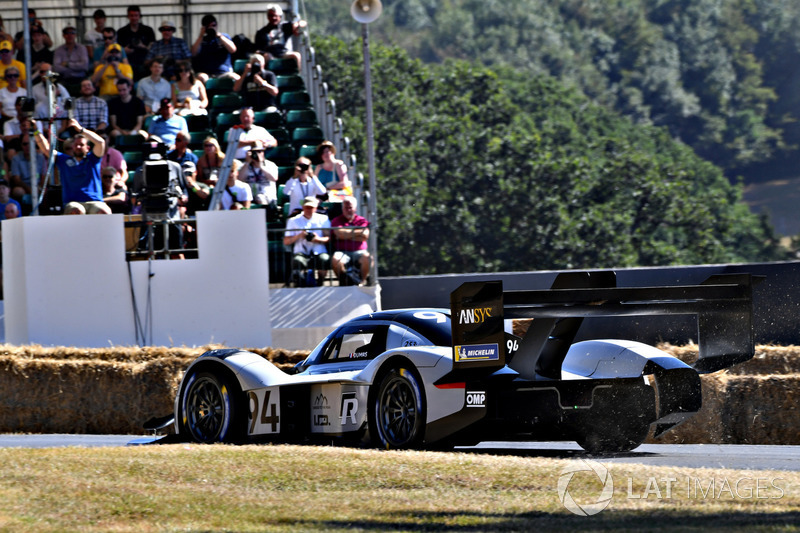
(81, 182)
(212, 52)
(168, 124)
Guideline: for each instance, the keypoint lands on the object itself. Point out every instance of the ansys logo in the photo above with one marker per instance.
(585, 503)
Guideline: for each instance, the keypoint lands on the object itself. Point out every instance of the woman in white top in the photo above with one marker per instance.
(9, 93)
(188, 93)
(303, 183)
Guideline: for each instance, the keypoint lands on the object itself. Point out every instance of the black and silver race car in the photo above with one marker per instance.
(436, 377)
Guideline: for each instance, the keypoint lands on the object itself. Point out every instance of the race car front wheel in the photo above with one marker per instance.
(397, 410)
(210, 408)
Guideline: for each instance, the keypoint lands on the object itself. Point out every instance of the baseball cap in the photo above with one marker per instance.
(3, 181)
(188, 167)
(167, 24)
(165, 102)
(6, 45)
(310, 200)
(114, 48)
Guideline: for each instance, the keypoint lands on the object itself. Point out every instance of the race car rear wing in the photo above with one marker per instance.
(722, 303)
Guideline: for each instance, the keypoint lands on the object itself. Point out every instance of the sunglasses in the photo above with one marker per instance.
(5, 51)
(166, 29)
(302, 167)
(209, 145)
(70, 33)
(107, 177)
(12, 76)
(108, 38)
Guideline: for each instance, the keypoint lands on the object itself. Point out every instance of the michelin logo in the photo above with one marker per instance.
(474, 316)
(478, 352)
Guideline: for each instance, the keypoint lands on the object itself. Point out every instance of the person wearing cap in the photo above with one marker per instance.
(101, 51)
(167, 125)
(136, 38)
(181, 153)
(276, 37)
(237, 194)
(7, 60)
(302, 184)
(212, 52)
(308, 234)
(106, 75)
(71, 60)
(93, 37)
(170, 47)
(90, 110)
(5, 199)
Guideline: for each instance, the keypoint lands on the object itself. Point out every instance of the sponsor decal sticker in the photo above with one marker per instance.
(478, 352)
(474, 316)
(476, 399)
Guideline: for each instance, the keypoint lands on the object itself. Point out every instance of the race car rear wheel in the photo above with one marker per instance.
(397, 411)
(211, 408)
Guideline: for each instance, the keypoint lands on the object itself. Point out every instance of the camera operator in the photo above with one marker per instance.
(261, 175)
(136, 38)
(211, 52)
(258, 86)
(110, 70)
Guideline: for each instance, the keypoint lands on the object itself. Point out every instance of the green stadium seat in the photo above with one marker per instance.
(226, 103)
(133, 159)
(301, 118)
(294, 100)
(290, 83)
(238, 65)
(282, 66)
(196, 138)
(281, 197)
(284, 173)
(281, 135)
(197, 122)
(128, 143)
(281, 155)
(309, 151)
(310, 136)
(225, 121)
(198, 153)
(268, 120)
(215, 86)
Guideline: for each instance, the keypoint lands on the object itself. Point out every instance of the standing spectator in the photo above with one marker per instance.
(70, 60)
(40, 51)
(332, 173)
(93, 38)
(126, 112)
(257, 85)
(19, 37)
(181, 153)
(350, 232)
(189, 95)
(302, 185)
(135, 37)
(90, 110)
(171, 48)
(5, 199)
(276, 37)
(20, 173)
(307, 233)
(212, 52)
(237, 194)
(167, 125)
(262, 175)
(115, 195)
(7, 60)
(112, 70)
(10, 93)
(252, 137)
(154, 88)
(81, 185)
(101, 51)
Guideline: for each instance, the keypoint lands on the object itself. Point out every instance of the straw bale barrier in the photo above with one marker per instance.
(116, 389)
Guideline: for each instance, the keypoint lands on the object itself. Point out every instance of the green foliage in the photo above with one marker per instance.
(483, 170)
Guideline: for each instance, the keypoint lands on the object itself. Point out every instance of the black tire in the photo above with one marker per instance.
(613, 437)
(620, 423)
(397, 411)
(211, 409)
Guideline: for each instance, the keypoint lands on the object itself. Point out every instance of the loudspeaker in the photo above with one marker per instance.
(366, 11)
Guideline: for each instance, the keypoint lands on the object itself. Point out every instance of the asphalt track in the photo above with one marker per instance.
(731, 456)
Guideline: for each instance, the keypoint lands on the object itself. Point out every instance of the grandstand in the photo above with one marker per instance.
(307, 115)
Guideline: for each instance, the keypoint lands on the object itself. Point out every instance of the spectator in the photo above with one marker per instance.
(115, 195)
(20, 172)
(171, 48)
(167, 125)
(262, 175)
(332, 173)
(200, 195)
(135, 38)
(10, 93)
(93, 38)
(237, 194)
(212, 52)
(126, 112)
(70, 60)
(276, 37)
(307, 233)
(188, 94)
(40, 51)
(258, 86)
(13, 130)
(5, 199)
(81, 186)
(302, 185)
(181, 153)
(90, 110)
(154, 88)
(252, 137)
(7, 60)
(107, 74)
(350, 232)
(19, 37)
(101, 51)
(209, 163)
(113, 158)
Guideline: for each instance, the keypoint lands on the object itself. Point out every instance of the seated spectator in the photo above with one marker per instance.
(171, 48)
(100, 52)
(302, 185)
(5, 199)
(115, 194)
(209, 163)
(13, 130)
(212, 52)
(70, 60)
(107, 74)
(10, 93)
(258, 86)
(262, 175)
(20, 172)
(350, 233)
(167, 125)
(199, 193)
(126, 112)
(7, 60)
(252, 137)
(332, 173)
(188, 93)
(113, 158)
(308, 235)
(181, 153)
(33, 22)
(154, 88)
(276, 37)
(40, 51)
(136, 39)
(237, 194)
(90, 110)
(93, 38)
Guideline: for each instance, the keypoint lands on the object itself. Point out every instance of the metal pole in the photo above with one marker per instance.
(32, 150)
(373, 187)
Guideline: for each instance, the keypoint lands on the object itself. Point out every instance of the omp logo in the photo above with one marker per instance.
(474, 316)
(349, 408)
(594, 506)
(476, 399)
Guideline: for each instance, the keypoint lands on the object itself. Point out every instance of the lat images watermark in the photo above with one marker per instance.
(586, 487)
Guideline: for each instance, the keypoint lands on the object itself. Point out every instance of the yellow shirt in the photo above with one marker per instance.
(14, 63)
(108, 82)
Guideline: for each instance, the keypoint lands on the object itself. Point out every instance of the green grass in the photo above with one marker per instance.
(290, 488)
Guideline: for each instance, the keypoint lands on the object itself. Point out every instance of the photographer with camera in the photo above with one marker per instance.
(211, 52)
(237, 194)
(309, 233)
(253, 137)
(258, 86)
(136, 38)
(261, 175)
(110, 71)
(302, 185)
